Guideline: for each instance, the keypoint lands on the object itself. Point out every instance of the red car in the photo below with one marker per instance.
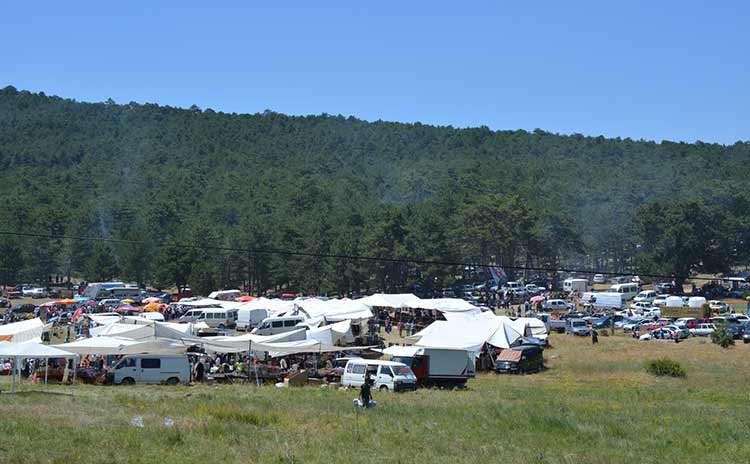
(12, 293)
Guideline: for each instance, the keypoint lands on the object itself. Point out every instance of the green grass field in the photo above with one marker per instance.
(594, 404)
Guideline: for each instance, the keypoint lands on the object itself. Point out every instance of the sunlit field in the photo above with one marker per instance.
(593, 404)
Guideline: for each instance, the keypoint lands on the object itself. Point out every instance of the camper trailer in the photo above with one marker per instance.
(576, 285)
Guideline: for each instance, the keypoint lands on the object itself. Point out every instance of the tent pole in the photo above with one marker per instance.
(46, 370)
(13, 374)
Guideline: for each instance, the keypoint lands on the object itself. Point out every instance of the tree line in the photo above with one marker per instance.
(164, 177)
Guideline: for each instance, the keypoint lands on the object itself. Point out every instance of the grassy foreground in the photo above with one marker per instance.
(592, 405)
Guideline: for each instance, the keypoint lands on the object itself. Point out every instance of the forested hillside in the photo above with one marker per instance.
(336, 185)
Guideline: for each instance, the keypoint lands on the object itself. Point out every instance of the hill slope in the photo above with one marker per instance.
(321, 184)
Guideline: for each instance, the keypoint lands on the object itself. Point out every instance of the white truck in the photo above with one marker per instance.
(249, 318)
(436, 366)
(602, 300)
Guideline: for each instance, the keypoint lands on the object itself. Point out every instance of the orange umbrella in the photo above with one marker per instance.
(152, 307)
(245, 298)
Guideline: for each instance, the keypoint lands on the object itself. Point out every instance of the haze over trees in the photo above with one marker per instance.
(341, 186)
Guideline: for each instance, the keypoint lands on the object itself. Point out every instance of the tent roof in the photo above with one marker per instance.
(385, 300)
(23, 331)
(32, 350)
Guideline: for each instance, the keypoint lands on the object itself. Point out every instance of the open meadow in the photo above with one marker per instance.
(593, 404)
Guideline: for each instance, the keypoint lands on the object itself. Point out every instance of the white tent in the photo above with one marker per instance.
(450, 305)
(385, 300)
(530, 327)
(333, 334)
(333, 310)
(24, 331)
(469, 332)
(115, 346)
(33, 350)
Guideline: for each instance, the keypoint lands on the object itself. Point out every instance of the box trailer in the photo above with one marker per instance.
(436, 366)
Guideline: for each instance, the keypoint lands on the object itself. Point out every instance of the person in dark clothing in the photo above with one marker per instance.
(594, 337)
(365, 392)
(199, 371)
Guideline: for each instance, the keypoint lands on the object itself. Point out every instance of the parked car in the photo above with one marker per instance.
(4, 302)
(641, 306)
(662, 333)
(746, 333)
(150, 369)
(557, 305)
(631, 323)
(646, 296)
(660, 300)
(702, 330)
(607, 321)
(735, 330)
(578, 327)
(664, 288)
(682, 331)
(718, 306)
(599, 279)
(520, 359)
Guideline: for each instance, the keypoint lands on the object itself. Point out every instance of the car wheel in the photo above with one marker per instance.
(173, 381)
(221, 326)
(127, 381)
(384, 388)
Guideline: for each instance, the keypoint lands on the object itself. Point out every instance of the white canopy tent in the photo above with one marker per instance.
(119, 346)
(385, 300)
(469, 332)
(31, 350)
(333, 310)
(29, 330)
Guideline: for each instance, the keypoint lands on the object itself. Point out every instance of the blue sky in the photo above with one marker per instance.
(674, 70)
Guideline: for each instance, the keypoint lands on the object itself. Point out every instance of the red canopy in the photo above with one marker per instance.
(245, 298)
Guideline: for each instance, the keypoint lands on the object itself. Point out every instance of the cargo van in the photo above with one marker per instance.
(602, 300)
(151, 369)
(249, 318)
(626, 291)
(388, 375)
(277, 325)
(218, 317)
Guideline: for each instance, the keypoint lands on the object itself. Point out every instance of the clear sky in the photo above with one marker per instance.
(674, 70)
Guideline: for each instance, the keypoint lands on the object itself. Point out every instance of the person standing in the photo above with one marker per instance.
(594, 337)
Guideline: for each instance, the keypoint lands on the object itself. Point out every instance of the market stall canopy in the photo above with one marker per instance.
(402, 350)
(151, 299)
(469, 333)
(385, 300)
(119, 346)
(449, 305)
(273, 306)
(66, 301)
(333, 310)
(24, 331)
(32, 350)
(245, 299)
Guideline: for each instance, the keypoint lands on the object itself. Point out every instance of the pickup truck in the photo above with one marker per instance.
(558, 325)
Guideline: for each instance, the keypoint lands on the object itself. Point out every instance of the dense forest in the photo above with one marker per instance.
(162, 178)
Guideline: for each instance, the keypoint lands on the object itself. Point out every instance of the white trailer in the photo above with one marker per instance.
(576, 285)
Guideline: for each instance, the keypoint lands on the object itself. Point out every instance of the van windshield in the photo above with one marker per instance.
(579, 323)
(402, 370)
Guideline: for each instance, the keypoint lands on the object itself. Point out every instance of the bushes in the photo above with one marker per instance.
(664, 367)
(721, 337)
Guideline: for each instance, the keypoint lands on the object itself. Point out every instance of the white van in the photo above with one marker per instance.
(249, 318)
(646, 296)
(151, 369)
(388, 375)
(218, 317)
(576, 285)
(277, 325)
(626, 291)
(191, 315)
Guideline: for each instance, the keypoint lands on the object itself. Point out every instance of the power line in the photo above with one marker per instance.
(273, 251)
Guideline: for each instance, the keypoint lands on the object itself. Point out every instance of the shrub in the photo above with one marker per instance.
(721, 337)
(664, 367)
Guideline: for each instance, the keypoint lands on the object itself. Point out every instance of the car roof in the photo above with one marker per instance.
(377, 362)
(527, 348)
